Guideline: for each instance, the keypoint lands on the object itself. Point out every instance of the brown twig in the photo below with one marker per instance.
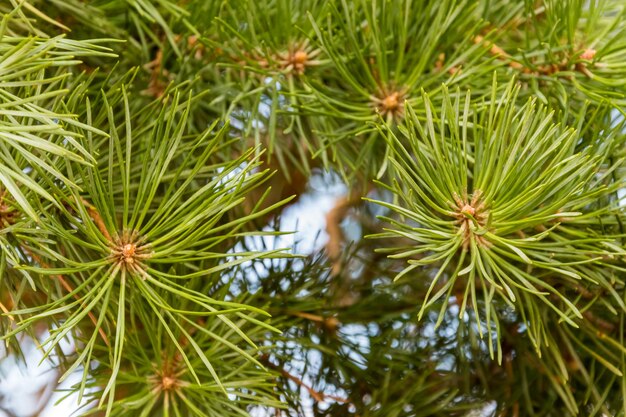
(548, 69)
(603, 325)
(316, 395)
(329, 323)
(97, 219)
(440, 64)
(68, 288)
(156, 87)
(6, 311)
(333, 227)
(497, 51)
(585, 293)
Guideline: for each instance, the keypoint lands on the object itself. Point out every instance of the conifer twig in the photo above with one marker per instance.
(316, 395)
(97, 219)
(333, 227)
(68, 288)
(548, 69)
(6, 311)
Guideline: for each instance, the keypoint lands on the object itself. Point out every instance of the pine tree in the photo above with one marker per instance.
(474, 266)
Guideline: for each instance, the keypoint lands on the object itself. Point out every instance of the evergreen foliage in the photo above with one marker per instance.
(149, 149)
